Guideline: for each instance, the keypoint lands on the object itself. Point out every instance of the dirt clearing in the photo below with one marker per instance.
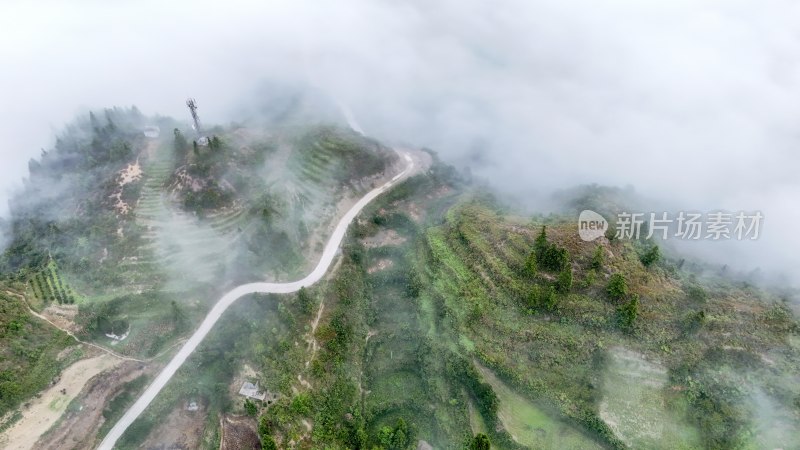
(46, 409)
(79, 425)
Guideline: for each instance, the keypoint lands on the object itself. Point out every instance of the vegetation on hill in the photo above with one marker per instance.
(30, 350)
(140, 235)
(471, 320)
(448, 319)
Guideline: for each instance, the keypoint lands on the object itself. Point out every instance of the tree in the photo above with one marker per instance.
(385, 436)
(564, 280)
(400, 435)
(479, 442)
(598, 258)
(181, 144)
(215, 143)
(398, 438)
(628, 312)
(541, 241)
(554, 258)
(617, 287)
(268, 443)
(530, 264)
(265, 434)
(651, 256)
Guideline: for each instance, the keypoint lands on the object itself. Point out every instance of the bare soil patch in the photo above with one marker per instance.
(44, 411)
(63, 316)
(79, 426)
(239, 433)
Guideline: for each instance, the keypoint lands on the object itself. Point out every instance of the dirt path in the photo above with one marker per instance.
(70, 333)
(46, 409)
(313, 346)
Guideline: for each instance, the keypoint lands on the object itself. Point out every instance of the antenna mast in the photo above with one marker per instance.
(195, 118)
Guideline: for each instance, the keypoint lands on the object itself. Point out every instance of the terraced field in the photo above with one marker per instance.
(189, 250)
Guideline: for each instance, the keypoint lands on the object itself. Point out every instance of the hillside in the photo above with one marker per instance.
(113, 239)
(448, 317)
(436, 327)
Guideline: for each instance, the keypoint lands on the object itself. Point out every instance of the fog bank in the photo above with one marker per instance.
(694, 103)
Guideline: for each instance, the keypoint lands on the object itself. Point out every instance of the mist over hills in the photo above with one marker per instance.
(689, 102)
(462, 306)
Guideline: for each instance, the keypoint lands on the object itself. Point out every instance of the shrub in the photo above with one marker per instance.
(268, 443)
(250, 408)
(651, 256)
(697, 294)
(591, 277)
(306, 301)
(694, 321)
(265, 434)
(301, 405)
(628, 312)
(413, 284)
(479, 442)
(550, 299)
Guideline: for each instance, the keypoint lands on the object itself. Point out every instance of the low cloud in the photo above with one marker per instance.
(692, 102)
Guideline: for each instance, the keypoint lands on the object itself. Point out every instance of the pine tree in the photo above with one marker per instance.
(540, 245)
(564, 280)
(628, 312)
(598, 258)
(617, 287)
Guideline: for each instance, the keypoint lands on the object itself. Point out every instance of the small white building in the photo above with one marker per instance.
(152, 131)
(250, 390)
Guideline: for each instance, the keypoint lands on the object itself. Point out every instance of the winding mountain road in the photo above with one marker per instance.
(252, 288)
